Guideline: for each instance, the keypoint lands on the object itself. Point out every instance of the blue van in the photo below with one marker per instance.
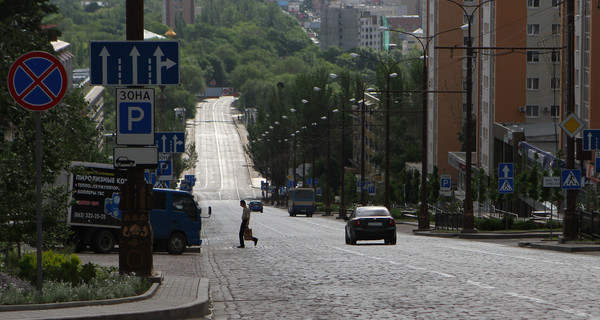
(175, 220)
(301, 201)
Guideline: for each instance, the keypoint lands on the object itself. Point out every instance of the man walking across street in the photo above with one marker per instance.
(245, 223)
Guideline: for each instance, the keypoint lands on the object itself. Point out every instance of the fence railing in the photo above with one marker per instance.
(588, 225)
(448, 221)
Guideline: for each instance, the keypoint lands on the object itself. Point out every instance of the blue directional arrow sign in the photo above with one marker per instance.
(506, 170)
(506, 182)
(170, 142)
(570, 179)
(134, 63)
(591, 139)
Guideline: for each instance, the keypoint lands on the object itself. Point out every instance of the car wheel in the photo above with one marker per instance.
(391, 240)
(261, 211)
(310, 215)
(104, 242)
(352, 240)
(176, 243)
(347, 238)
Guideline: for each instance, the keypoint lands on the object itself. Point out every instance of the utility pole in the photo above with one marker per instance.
(135, 239)
(569, 38)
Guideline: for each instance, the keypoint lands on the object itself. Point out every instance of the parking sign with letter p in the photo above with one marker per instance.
(135, 116)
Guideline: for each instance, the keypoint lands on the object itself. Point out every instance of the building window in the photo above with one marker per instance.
(555, 111)
(532, 111)
(556, 3)
(533, 56)
(533, 83)
(533, 3)
(556, 28)
(533, 29)
(555, 57)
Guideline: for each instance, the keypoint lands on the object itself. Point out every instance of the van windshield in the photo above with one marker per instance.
(303, 195)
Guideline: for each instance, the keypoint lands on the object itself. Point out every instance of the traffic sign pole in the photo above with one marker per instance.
(37, 81)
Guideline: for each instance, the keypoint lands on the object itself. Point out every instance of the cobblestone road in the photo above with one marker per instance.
(301, 269)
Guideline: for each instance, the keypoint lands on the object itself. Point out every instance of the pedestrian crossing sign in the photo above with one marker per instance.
(570, 179)
(506, 185)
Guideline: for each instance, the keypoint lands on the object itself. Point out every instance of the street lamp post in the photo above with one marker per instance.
(423, 218)
(468, 218)
(389, 75)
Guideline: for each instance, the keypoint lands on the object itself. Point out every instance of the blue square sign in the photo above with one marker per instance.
(570, 179)
(135, 116)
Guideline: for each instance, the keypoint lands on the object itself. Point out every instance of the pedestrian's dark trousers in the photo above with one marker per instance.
(243, 227)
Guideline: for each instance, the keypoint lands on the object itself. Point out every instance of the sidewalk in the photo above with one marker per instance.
(175, 298)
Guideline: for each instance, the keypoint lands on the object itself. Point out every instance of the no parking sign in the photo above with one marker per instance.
(37, 81)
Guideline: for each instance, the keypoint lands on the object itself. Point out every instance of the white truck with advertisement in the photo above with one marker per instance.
(95, 218)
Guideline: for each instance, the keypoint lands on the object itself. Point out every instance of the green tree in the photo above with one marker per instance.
(67, 134)
(433, 186)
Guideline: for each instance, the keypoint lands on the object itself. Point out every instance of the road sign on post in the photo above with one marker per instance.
(506, 182)
(135, 116)
(591, 139)
(572, 125)
(551, 182)
(134, 63)
(570, 179)
(445, 182)
(37, 81)
(170, 142)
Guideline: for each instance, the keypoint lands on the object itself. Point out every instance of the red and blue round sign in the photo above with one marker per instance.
(37, 81)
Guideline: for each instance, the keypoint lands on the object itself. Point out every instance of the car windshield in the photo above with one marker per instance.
(372, 212)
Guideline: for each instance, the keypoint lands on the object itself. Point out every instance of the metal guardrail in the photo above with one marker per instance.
(588, 224)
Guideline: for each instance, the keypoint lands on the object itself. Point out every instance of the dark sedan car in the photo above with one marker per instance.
(255, 205)
(371, 223)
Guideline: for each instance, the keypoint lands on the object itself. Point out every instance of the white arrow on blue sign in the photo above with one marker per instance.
(591, 140)
(134, 63)
(506, 183)
(506, 170)
(170, 142)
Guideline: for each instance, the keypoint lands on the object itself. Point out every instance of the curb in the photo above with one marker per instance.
(72, 304)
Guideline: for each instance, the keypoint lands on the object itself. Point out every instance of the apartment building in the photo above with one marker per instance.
(516, 82)
(178, 9)
(348, 27)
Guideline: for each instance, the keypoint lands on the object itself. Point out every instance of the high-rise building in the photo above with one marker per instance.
(348, 27)
(516, 90)
(178, 9)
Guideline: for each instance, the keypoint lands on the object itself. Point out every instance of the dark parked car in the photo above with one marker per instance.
(255, 205)
(371, 223)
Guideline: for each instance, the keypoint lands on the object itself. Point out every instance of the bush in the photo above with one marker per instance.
(553, 224)
(55, 267)
(525, 225)
(492, 224)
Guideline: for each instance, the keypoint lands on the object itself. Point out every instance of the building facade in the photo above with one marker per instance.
(178, 9)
